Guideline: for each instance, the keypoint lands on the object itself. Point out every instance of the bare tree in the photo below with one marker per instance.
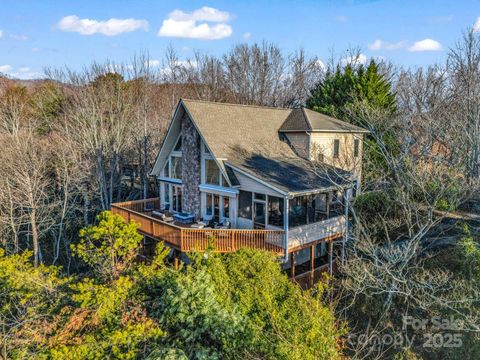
(464, 71)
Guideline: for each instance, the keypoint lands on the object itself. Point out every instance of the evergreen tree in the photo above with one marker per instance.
(339, 90)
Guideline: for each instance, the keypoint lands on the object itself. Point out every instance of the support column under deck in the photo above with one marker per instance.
(292, 265)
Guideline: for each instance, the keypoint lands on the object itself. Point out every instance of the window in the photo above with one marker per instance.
(356, 145)
(224, 182)
(336, 148)
(166, 170)
(178, 146)
(166, 194)
(177, 199)
(245, 204)
(209, 207)
(226, 209)
(212, 173)
(275, 211)
(176, 167)
(216, 208)
(297, 211)
(259, 196)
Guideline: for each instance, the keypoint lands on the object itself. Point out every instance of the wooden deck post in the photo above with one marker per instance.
(175, 259)
(312, 264)
(292, 266)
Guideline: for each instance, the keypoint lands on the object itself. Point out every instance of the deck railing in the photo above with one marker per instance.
(197, 240)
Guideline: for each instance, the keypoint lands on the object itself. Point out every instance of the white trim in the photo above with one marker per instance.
(321, 190)
(165, 138)
(364, 131)
(219, 190)
(285, 225)
(170, 180)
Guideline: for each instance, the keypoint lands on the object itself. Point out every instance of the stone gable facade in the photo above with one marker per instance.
(191, 162)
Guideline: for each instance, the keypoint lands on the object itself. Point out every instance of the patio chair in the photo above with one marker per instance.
(149, 206)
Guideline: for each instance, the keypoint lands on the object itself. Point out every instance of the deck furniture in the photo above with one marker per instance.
(184, 218)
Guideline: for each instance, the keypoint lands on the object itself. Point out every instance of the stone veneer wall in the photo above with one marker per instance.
(190, 167)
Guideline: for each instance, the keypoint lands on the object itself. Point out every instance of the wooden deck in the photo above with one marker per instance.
(186, 239)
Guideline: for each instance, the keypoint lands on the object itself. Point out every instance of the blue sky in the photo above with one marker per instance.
(36, 34)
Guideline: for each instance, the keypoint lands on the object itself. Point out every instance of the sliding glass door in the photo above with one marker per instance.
(177, 198)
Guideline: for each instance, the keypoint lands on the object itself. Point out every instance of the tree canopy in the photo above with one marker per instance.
(219, 307)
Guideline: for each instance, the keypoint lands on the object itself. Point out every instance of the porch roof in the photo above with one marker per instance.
(293, 176)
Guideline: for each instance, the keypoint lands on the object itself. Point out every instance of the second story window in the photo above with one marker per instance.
(176, 166)
(336, 148)
(166, 170)
(356, 147)
(212, 173)
(178, 146)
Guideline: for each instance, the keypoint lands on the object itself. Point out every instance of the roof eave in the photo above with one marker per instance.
(329, 131)
(293, 194)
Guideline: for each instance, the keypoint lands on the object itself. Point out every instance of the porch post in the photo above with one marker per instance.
(285, 227)
(330, 254)
(327, 197)
(292, 266)
(312, 264)
(345, 233)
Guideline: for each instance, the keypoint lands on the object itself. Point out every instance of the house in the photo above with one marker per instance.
(251, 176)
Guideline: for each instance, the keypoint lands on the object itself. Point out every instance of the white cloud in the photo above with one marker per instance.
(27, 75)
(476, 26)
(195, 25)
(341, 18)
(384, 45)
(109, 27)
(203, 14)
(425, 45)
(359, 59)
(19, 37)
(23, 73)
(153, 63)
(246, 35)
(5, 68)
(1, 33)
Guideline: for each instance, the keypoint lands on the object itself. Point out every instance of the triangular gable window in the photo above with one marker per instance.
(178, 146)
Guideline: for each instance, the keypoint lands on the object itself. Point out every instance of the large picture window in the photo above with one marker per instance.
(245, 204)
(212, 172)
(176, 167)
(166, 170)
(275, 211)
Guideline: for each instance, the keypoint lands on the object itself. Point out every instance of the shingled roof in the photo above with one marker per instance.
(247, 138)
(309, 120)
